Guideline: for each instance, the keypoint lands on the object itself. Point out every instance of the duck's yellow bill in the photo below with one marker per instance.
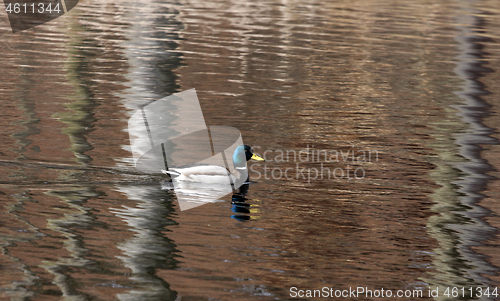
(257, 158)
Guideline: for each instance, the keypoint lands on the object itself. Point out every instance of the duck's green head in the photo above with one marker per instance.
(242, 154)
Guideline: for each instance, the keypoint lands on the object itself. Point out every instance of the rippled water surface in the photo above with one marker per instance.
(409, 87)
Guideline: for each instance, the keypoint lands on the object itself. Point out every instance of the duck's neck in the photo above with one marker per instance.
(240, 165)
(239, 161)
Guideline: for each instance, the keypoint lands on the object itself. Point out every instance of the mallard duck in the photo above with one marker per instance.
(214, 174)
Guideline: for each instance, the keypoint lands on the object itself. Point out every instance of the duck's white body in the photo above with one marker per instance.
(209, 174)
(214, 174)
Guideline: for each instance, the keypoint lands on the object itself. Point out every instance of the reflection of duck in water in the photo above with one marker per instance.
(214, 174)
(240, 206)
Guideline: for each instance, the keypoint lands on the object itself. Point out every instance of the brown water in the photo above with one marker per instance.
(413, 84)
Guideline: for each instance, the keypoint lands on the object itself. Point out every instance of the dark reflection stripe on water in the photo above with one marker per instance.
(460, 224)
(149, 249)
